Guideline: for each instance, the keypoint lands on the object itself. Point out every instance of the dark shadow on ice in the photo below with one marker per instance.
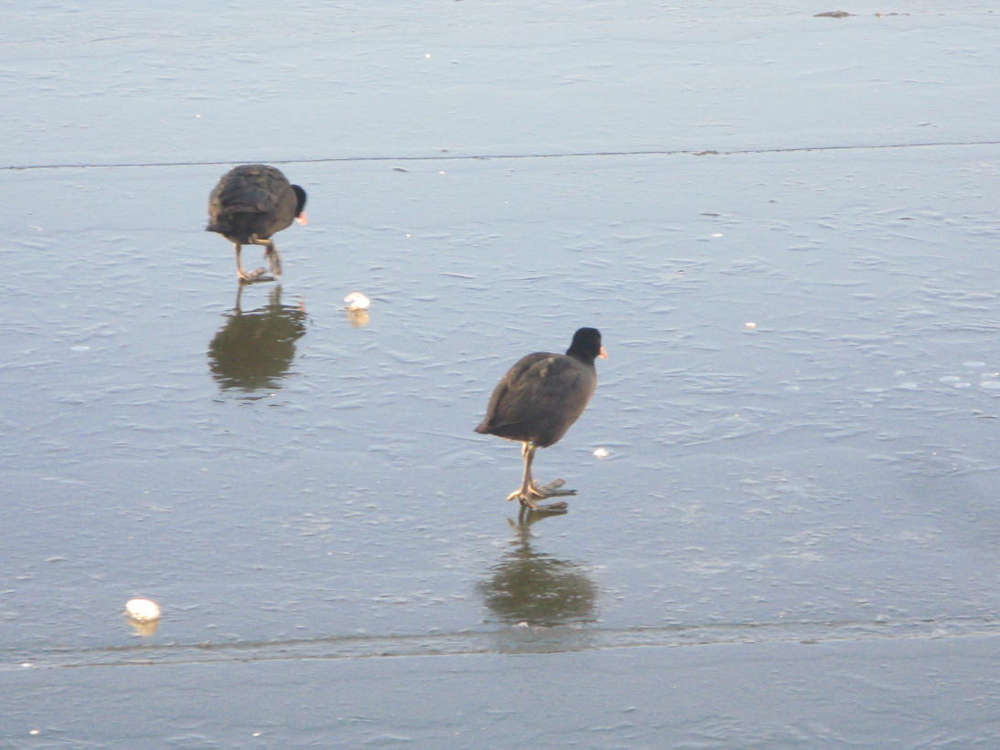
(530, 588)
(254, 350)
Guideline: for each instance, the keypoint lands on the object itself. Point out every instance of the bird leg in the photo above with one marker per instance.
(530, 490)
(274, 260)
(258, 274)
(243, 276)
(240, 273)
(545, 490)
(271, 253)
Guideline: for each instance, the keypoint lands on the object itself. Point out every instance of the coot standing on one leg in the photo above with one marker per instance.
(251, 203)
(540, 398)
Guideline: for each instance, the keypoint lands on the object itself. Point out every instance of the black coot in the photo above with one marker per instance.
(251, 203)
(540, 398)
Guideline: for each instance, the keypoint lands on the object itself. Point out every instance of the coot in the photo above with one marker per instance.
(540, 398)
(250, 203)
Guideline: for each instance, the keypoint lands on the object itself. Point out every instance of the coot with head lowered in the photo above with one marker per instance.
(537, 401)
(251, 203)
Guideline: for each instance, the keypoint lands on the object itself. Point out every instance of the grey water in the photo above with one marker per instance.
(785, 227)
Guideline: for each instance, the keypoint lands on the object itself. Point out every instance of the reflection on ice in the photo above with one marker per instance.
(254, 350)
(143, 629)
(534, 588)
(358, 318)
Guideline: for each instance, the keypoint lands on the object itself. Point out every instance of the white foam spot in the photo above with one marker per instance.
(357, 301)
(142, 610)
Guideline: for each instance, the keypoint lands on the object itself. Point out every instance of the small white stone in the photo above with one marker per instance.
(357, 301)
(142, 610)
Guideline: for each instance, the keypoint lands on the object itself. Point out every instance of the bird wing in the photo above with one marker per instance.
(537, 378)
(250, 189)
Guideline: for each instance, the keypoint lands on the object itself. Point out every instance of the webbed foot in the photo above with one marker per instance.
(551, 489)
(527, 495)
(259, 274)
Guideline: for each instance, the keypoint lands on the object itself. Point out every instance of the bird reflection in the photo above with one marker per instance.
(528, 586)
(254, 350)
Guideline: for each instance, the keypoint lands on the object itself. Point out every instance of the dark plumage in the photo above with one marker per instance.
(251, 203)
(538, 400)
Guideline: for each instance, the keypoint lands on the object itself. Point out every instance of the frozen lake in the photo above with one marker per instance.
(785, 227)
